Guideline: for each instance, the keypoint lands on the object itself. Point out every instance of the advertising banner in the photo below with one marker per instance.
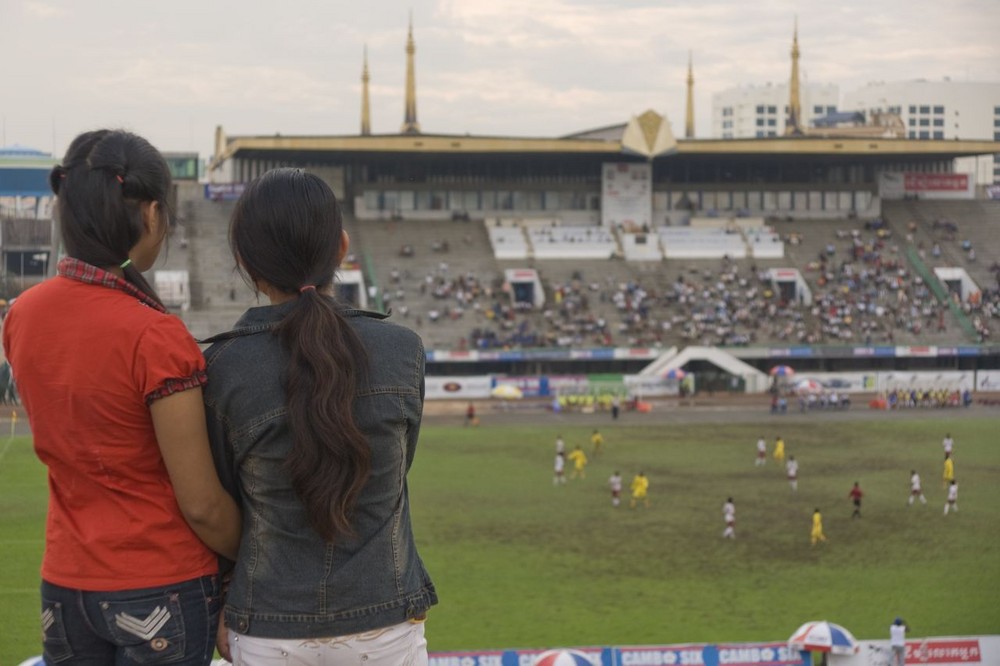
(951, 380)
(736, 654)
(919, 185)
(936, 182)
(988, 380)
(595, 656)
(744, 654)
(626, 194)
(644, 386)
(457, 388)
(953, 651)
(224, 191)
(841, 382)
(943, 652)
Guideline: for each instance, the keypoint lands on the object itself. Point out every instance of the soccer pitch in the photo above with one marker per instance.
(520, 563)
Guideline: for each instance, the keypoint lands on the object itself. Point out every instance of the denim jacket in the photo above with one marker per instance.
(288, 582)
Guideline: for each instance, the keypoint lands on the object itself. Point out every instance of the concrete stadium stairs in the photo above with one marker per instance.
(218, 294)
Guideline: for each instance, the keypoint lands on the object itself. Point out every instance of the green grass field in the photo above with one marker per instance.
(520, 563)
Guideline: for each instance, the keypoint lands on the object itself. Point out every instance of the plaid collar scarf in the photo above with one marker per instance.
(74, 269)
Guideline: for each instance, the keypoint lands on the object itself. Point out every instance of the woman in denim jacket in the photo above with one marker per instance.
(314, 412)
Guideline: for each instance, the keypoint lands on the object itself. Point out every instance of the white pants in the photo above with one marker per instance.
(399, 645)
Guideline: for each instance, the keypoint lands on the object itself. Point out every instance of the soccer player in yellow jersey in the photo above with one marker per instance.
(949, 471)
(639, 486)
(779, 449)
(817, 529)
(598, 441)
(579, 459)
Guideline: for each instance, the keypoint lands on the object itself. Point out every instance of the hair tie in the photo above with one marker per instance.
(120, 179)
(125, 264)
(306, 288)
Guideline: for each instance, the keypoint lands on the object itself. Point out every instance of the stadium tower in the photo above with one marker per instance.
(689, 118)
(366, 121)
(410, 124)
(794, 126)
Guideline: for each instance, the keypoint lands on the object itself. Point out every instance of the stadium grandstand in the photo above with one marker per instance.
(622, 243)
(834, 246)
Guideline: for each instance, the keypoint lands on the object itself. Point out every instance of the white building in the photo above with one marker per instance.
(758, 111)
(940, 110)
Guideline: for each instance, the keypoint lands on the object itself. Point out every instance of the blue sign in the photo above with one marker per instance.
(734, 654)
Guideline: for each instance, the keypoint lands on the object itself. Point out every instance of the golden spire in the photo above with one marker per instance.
(794, 125)
(689, 118)
(410, 124)
(366, 121)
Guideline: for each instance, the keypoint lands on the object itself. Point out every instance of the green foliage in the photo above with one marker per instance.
(521, 563)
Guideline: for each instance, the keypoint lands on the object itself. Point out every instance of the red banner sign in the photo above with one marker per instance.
(936, 182)
(943, 652)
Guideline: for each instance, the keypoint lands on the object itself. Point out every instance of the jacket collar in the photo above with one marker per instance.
(265, 318)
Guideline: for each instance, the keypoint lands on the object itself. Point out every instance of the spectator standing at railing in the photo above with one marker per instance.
(897, 641)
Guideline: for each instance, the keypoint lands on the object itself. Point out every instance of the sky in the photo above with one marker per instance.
(173, 70)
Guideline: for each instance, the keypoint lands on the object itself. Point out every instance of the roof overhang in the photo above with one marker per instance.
(640, 141)
(839, 146)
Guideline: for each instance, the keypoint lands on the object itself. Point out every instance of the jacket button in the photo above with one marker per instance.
(243, 625)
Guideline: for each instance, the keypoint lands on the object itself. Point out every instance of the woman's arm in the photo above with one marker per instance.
(179, 421)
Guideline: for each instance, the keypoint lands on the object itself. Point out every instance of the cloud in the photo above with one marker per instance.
(43, 10)
(170, 83)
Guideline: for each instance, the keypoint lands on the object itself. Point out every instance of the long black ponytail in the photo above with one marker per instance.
(103, 179)
(286, 230)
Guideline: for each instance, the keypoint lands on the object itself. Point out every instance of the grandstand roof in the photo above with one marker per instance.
(596, 142)
(24, 172)
(17, 150)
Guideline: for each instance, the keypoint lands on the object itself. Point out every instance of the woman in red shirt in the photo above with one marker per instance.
(112, 386)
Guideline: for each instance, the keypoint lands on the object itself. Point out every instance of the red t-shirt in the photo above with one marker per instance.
(89, 352)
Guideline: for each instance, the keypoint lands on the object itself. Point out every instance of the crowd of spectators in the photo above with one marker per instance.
(863, 292)
(983, 307)
(924, 398)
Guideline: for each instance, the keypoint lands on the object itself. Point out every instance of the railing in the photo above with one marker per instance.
(932, 282)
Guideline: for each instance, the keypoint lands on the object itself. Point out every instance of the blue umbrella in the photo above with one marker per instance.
(675, 373)
(782, 371)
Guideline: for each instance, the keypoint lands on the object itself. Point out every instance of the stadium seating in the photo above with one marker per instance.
(710, 289)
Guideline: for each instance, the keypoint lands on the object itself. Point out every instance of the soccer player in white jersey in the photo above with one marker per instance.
(948, 443)
(792, 469)
(729, 515)
(560, 444)
(952, 503)
(559, 475)
(761, 452)
(915, 489)
(615, 484)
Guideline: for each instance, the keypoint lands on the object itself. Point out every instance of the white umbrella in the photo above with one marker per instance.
(808, 386)
(823, 636)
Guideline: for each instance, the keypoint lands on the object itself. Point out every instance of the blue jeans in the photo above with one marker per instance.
(172, 624)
